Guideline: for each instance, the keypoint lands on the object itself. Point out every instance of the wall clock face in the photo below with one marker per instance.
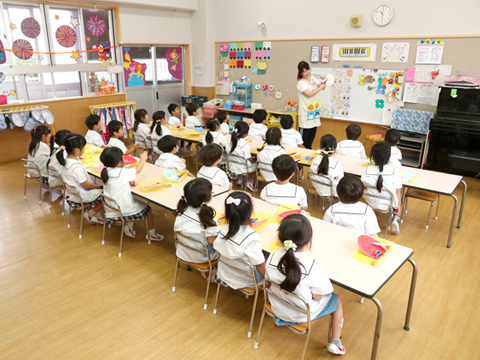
(382, 15)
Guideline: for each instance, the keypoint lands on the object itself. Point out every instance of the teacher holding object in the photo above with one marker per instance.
(308, 103)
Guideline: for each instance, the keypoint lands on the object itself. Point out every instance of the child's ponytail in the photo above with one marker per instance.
(241, 128)
(36, 135)
(71, 142)
(238, 211)
(59, 139)
(328, 144)
(157, 118)
(196, 194)
(110, 157)
(211, 125)
(380, 153)
(295, 231)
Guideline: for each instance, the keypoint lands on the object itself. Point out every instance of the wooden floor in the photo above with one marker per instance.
(65, 298)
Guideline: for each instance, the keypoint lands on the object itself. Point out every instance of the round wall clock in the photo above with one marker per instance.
(382, 15)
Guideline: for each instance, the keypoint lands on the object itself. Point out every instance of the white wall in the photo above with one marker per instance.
(331, 18)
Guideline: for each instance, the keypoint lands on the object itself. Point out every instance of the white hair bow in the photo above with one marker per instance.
(289, 244)
(231, 200)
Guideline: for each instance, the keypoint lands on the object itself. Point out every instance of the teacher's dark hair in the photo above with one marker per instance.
(302, 66)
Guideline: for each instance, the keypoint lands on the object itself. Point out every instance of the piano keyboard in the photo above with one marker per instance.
(355, 52)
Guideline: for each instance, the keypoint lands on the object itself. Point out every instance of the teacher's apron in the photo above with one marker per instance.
(309, 108)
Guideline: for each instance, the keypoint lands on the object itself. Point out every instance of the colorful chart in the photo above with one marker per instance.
(66, 36)
(19, 46)
(96, 25)
(30, 28)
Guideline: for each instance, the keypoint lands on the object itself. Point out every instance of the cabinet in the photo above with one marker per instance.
(412, 147)
(243, 92)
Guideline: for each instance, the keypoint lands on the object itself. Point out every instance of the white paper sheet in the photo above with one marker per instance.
(429, 54)
(419, 93)
(423, 73)
(395, 52)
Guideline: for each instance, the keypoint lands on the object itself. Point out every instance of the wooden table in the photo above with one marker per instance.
(182, 135)
(333, 246)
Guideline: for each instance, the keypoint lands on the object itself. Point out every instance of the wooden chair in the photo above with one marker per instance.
(303, 328)
(57, 189)
(235, 159)
(263, 167)
(382, 130)
(320, 180)
(425, 196)
(30, 164)
(112, 205)
(380, 196)
(205, 267)
(250, 275)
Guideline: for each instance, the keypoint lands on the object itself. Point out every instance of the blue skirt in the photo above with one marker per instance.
(328, 309)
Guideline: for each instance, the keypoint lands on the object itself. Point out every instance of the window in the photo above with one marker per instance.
(169, 64)
(95, 80)
(98, 35)
(66, 35)
(39, 86)
(67, 84)
(12, 88)
(139, 72)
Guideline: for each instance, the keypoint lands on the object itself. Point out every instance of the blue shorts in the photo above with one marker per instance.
(328, 309)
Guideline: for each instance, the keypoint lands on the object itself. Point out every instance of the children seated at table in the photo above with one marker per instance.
(351, 146)
(282, 191)
(237, 240)
(75, 175)
(210, 157)
(258, 129)
(168, 145)
(94, 125)
(196, 219)
(297, 272)
(392, 138)
(267, 154)
(350, 212)
(57, 141)
(39, 151)
(158, 129)
(141, 130)
(290, 136)
(118, 181)
(326, 165)
(239, 146)
(174, 111)
(116, 132)
(214, 134)
(223, 118)
(192, 122)
(383, 176)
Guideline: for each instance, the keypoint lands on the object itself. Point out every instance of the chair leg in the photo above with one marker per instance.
(306, 344)
(429, 212)
(438, 205)
(216, 298)
(390, 214)
(330, 328)
(40, 194)
(148, 232)
(69, 216)
(104, 229)
(208, 287)
(175, 277)
(255, 346)
(25, 190)
(121, 239)
(249, 334)
(63, 203)
(81, 223)
(51, 195)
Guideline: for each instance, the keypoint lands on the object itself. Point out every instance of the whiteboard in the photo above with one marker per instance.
(349, 98)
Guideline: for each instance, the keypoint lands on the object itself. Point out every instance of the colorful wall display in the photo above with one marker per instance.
(174, 60)
(134, 71)
(66, 36)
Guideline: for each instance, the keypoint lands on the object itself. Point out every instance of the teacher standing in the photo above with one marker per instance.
(308, 103)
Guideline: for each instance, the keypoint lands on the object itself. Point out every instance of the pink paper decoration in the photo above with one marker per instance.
(22, 45)
(66, 36)
(30, 28)
(96, 25)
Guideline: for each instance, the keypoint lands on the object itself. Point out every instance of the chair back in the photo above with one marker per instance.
(73, 190)
(269, 285)
(55, 174)
(384, 195)
(181, 239)
(30, 164)
(250, 274)
(322, 180)
(110, 204)
(266, 168)
(383, 130)
(236, 159)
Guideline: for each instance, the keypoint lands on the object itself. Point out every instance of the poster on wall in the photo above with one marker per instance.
(134, 72)
(174, 60)
(354, 52)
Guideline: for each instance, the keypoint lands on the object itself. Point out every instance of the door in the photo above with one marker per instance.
(170, 75)
(139, 76)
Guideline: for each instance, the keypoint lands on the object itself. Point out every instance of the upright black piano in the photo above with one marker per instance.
(454, 145)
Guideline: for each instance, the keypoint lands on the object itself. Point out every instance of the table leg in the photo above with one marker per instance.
(463, 203)
(412, 293)
(378, 327)
(452, 225)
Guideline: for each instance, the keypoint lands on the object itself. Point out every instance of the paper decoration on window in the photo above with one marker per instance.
(247, 46)
(174, 59)
(239, 54)
(247, 64)
(134, 72)
(3, 57)
(240, 64)
(57, 17)
(258, 54)
(76, 55)
(88, 39)
(96, 25)
(13, 26)
(233, 54)
(224, 49)
(22, 49)
(247, 54)
(233, 63)
(239, 46)
(103, 54)
(40, 57)
(354, 52)
(232, 46)
(267, 45)
(267, 54)
(66, 36)
(262, 67)
(2, 77)
(74, 21)
(395, 52)
(30, 28)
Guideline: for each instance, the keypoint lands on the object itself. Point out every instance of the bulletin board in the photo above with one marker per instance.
(274, 66)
